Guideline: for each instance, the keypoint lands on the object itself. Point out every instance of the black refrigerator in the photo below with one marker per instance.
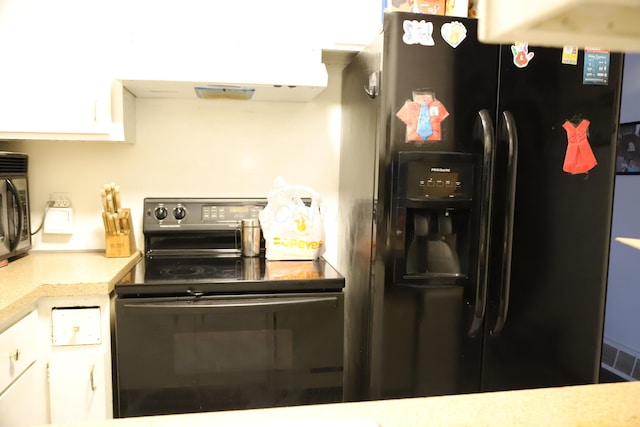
(475, 206)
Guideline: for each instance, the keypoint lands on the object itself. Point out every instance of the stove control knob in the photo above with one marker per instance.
(179, 212)
(160, 213)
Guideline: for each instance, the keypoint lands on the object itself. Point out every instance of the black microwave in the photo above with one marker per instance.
(15, 230)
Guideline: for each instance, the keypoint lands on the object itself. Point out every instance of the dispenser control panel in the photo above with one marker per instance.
(441, 176)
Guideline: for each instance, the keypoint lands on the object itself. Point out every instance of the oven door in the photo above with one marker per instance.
(175, 355)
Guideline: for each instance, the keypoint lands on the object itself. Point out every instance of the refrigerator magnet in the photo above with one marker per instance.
(422, 116)
(453, 33)
(579, 157)
(596, 67)
(418, 32)
(570, 55)
(521, 54)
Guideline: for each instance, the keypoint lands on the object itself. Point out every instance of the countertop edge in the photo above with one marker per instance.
(31, 291)
(612, 404)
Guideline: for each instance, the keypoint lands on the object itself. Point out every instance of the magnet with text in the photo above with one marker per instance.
(570, 55)
(521, 54)
(596, 67)
(418, 32)
(453, 33)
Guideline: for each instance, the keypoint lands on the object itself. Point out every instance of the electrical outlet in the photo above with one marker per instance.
(60, 200)
(58, 221)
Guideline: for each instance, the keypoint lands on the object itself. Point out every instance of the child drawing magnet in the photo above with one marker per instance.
(453, 33)
(418, 32)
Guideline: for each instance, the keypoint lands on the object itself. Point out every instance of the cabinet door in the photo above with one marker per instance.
(78, 386)
(56, 79)
(54, 104)
(24, 402)
(18, 350)
(351, 24)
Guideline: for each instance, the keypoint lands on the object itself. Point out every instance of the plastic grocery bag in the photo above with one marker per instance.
(293, 270)
(292, 230)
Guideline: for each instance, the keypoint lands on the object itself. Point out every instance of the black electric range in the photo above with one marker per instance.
(213, 275)
(198, 327)
(193, 246)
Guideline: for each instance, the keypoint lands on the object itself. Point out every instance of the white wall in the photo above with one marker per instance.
(199, 148)
(623, 293)
(630, 103)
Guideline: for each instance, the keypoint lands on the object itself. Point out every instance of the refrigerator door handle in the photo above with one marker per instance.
(509, 125)
(484, 126)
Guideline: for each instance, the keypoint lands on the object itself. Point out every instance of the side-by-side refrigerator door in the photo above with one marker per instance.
(438, 93)
(551, 232)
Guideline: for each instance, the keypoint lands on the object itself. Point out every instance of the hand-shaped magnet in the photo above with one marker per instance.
(521, 54)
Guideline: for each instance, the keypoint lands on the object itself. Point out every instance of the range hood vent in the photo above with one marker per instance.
(224, 92)
(604, 24)
(280, 79)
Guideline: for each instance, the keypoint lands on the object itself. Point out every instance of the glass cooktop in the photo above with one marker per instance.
(225, 275)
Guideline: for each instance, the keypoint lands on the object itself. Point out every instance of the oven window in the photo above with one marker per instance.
(221, 353)
(232, 351)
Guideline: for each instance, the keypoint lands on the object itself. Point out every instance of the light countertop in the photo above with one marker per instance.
(615, 404)
(43, 274)
(629, 241)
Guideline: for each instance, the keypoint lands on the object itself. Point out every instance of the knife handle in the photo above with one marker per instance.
(116, 198)
(116, 223)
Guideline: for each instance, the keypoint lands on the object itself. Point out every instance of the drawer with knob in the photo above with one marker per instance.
(76, 326)
(18, 349)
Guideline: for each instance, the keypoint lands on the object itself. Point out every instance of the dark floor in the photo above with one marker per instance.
(609, 377)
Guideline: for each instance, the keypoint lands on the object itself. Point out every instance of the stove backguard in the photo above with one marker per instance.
(192, 226)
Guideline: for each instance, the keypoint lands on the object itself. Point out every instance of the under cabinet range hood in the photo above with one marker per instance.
(605, 24)
(291, 80)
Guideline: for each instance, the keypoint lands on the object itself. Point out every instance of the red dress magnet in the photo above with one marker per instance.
(579, 157)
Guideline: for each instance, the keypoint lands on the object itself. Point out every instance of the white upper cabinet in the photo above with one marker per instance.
(72, 68)
(56, 81)
(273, 47)
(353, 24)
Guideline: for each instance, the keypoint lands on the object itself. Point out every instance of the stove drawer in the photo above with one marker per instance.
(228, 352)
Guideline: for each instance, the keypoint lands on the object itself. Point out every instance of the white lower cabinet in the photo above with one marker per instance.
(24, 403)
(23, 380)
(77, 384)
(79, 357)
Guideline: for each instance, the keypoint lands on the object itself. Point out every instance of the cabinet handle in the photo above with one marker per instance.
(93, 384)
(15, 355)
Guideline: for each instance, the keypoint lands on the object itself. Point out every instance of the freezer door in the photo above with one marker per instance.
(424, 75)
(551, 333)
(420, 335)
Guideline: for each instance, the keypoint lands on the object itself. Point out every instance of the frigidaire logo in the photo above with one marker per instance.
(440, 170)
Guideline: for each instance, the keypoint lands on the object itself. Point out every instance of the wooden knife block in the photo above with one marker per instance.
(123, 244)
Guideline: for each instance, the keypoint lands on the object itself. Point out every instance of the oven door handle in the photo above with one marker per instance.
(240, 303)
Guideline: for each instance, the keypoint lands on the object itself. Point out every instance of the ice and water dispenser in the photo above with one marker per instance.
(433, 218)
